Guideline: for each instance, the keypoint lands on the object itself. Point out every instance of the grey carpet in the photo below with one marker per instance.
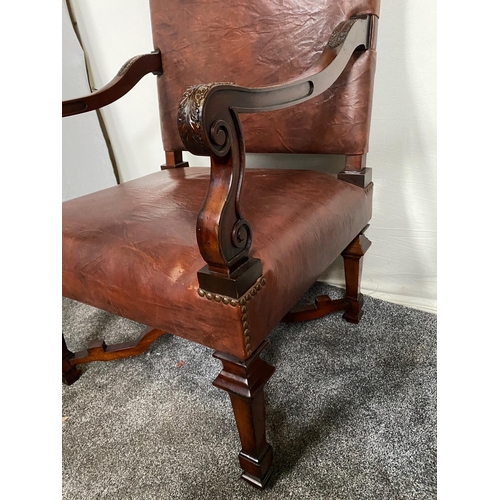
(351, 412)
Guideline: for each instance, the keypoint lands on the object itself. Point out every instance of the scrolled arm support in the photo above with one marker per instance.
(127, 77)
(209, 128)
(209, 125)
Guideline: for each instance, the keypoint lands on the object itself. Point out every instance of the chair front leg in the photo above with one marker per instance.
(353, 265)
(244, 381)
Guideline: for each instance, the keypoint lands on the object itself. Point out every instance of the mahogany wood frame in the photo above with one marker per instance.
(126, 78)
(99, 351)
(208, 124)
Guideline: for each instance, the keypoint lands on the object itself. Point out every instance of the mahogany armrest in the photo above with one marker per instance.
(208, 125)
(127, 77)
(202, 104)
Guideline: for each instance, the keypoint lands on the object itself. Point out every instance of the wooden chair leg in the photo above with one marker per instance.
(70, 373)
(352, 301)
(244, 381)
(353, 265)
(174, 160)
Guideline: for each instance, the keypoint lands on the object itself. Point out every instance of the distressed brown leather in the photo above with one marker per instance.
(131, 249)
(261, 43)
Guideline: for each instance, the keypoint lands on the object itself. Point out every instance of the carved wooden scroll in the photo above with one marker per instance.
(210, 128)
(209, 125)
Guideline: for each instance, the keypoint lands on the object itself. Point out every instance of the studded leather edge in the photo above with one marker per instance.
(241, 303)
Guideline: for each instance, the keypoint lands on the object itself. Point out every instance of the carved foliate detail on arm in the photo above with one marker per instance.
(189, 117)
(127, 65)
(340, 33)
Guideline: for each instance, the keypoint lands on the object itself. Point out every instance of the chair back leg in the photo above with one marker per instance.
(70, 373)
(353, 266)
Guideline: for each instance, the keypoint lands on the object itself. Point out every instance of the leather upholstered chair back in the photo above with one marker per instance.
(261, 43)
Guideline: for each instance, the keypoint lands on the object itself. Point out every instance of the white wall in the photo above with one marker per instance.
(401, 264)
(112, 32)
(85, 159)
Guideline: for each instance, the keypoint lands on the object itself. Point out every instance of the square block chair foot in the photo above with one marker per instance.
(263, 468)
(354, 313)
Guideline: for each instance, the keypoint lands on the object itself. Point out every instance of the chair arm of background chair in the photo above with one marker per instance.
(208, 125)
(127, 77)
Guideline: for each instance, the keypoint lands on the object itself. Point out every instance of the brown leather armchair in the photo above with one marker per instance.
(219, 256)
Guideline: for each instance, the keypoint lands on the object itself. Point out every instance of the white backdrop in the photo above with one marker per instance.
(85, 158)
(401, 264)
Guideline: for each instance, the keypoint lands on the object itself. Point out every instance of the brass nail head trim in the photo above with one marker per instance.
(242, 303)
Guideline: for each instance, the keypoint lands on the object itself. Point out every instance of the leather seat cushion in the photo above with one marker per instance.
(131, 249)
